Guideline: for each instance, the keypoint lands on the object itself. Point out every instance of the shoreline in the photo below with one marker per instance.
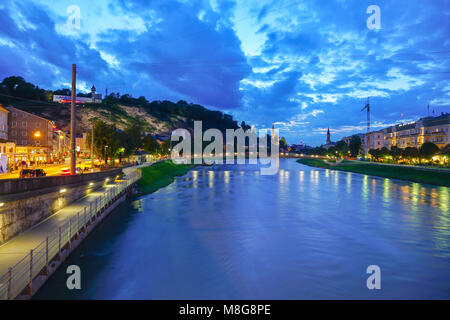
(160, 175)
(392, 172)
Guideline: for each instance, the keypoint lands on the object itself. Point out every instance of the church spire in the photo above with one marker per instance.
(328, 136)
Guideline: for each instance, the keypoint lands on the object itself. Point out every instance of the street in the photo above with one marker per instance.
(51, 170)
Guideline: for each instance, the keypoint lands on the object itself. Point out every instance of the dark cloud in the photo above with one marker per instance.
(315, 67)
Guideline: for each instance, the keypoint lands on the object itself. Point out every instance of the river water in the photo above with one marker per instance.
(228, 232)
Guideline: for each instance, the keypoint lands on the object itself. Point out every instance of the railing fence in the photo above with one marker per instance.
(21, 275)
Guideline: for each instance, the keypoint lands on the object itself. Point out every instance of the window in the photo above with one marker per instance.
(14, 114)
(24, 124)
(13, 124)
(24, 133)
(38, 124)
(24, 142)
(24, 115)
(13, 133)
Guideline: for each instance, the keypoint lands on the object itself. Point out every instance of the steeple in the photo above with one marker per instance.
(93, 93)
(328, 136)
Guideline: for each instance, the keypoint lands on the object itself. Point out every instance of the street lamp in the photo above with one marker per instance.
(106, 158)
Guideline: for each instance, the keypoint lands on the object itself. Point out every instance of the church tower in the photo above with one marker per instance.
(93, 93)
(328, 136)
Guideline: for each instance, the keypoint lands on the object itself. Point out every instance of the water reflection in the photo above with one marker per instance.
(236, 235)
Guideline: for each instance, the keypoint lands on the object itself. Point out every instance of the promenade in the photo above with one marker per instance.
(45, 240)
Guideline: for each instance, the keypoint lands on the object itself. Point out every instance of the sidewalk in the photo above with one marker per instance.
(15, 249)
(19, 246)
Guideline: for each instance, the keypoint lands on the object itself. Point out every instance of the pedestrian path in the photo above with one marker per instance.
(19, 246)
(23, 257)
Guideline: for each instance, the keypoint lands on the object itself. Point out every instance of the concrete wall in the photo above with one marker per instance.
(22, 210)
(10, 186)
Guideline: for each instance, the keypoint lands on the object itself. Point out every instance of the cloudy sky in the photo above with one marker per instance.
(303, 65)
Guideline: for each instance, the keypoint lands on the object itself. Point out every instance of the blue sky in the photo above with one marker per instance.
(303, 65)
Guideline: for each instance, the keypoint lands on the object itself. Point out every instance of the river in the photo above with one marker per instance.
(228, 232)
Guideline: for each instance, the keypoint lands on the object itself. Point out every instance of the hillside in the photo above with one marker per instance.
(156, 117)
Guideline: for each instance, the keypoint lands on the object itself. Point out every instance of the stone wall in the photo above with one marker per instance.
(21, 210)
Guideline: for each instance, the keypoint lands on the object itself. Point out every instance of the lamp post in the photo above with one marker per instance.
(106, 157)
(37, 135)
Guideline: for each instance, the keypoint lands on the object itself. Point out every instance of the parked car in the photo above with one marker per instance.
(66, 172)
(32, 173)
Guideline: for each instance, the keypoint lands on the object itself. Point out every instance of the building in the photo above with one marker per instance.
(32, 134)
(428, 129)
(7, 146)
(3, 123)
(95, 98)
(328, 143)
(376, 139)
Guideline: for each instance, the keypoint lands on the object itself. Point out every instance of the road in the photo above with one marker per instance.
(52, 170)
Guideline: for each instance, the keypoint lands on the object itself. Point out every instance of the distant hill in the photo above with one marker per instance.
(156, 117)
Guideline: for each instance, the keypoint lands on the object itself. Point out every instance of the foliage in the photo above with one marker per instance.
(355, 145)
(428, 150)
(150, 145)
(160, 174)
(387, 171)
(17, 87)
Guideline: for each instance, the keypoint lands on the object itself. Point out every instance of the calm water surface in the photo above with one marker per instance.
(227, 232)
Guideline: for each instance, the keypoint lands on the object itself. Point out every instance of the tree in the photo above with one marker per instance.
(375, 153)
(106, 140)
(165, 147)
(445, 151)
(150, 145)
(355, 145)
(245, 126)
(132, 139)
(13, 82)
(283, 143)
(341, 144)
(396, 152)
(428, 150)
(384, 152)
(410, 153)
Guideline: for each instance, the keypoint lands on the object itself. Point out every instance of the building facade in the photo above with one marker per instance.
(7, 147)
(32, 134)
(429, 129)
(376, 139)
(95, 98)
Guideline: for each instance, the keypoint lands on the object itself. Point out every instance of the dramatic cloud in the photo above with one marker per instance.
(303, 65)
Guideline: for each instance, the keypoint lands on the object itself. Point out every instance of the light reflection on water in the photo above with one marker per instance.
(228, 232)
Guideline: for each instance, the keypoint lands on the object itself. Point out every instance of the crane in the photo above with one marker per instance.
(367, 106)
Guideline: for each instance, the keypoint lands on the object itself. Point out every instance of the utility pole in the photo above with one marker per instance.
(92, 149)
(73, 154)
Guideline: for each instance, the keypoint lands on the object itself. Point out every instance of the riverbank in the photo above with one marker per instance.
(394, 172)
(160, 174)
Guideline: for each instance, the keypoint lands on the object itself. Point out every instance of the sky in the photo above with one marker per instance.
(304, 66)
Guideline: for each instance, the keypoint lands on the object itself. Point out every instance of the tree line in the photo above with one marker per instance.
(111, 143)
(426, 151)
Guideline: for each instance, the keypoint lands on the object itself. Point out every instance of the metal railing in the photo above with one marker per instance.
(20, 276)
